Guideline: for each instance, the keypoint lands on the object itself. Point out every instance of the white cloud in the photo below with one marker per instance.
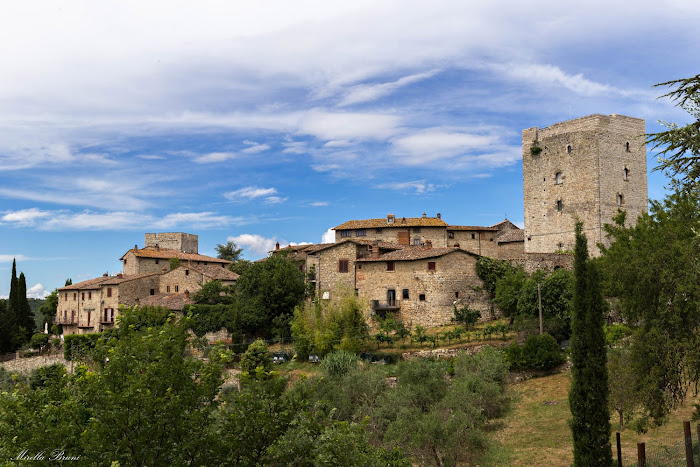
(213, 157)
(152, 157)
(419, 186)
(251, 192)
(10, 258)
(256, 244)
(275, 200)
(255, 148)
(295, 147)
(369, 92)
(65, 220)
(25, 216)
(328, 236)
(37, 291)
(319, 203)
(425, 146)
(336, 125)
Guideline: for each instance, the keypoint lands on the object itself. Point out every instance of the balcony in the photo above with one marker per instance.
(107, 321)
(65, 321)
(385, 305)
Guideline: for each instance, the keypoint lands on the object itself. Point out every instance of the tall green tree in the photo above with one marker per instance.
(680, 145)
(229, 251)
(267, 293)
(48, 308)
(653, 269)
(5, 328)
(588, 396)
(25, 314)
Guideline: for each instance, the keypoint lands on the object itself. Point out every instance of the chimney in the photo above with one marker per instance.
(390, 218)
(439, 216)
(105, 275)
(136, 247)
(119, 274)
(157, 247)
(277, 245)
(164, 270)
(424, 215)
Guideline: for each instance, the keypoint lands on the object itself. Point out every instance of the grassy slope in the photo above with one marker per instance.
(536, 432)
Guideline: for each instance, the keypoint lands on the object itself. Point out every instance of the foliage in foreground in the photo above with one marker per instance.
(539, 353)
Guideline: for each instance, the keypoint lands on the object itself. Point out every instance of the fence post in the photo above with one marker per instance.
(641, 455)
(619, 451)
(688, 444)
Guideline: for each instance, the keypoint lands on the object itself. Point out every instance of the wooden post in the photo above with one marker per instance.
(619, 450)
(688, 445)
(539, 301)
(641, 455)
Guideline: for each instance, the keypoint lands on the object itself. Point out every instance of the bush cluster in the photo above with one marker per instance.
(539, 353)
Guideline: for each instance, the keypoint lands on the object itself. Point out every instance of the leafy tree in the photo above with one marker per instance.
(48, 308)
(490, 271)
(540, 352)
(652, 269)
(240, 266)
(508, 290)
(588, 396)
(557, 292)
(680, 145)
(257, 356)
(268, 291)
(25, 314)
(465, 315)
(624, 396)
(214, 293)
(229, 251)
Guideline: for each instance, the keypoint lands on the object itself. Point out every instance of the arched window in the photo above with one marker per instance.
(627, 146)
(626, 174)
(568, 149)
(620, 199)
(560, 205)
(558, 177)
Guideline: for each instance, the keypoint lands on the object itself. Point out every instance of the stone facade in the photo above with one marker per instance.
(420, 293)
(184, 242)
(585, 168)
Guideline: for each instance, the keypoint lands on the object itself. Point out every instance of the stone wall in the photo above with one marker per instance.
(480, 242)
(531, 262)
(179, 280)
(590, 154)
(454, 279)
(328, 277)
(184, 242)
(510, 250)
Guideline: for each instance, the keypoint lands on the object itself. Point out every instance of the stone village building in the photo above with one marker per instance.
(415, 268)
(92, 305)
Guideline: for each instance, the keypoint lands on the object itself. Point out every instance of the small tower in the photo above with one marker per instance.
(586, 169)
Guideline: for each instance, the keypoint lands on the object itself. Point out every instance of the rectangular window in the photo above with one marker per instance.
(421, 297)
(389, 265)
(416, 241)
(344, 233)
(431, 265)
(457, 294)
(379, 230)
(177, 289)
(82, 295)
(109, 291)
(66, 297)
(360, 233)
(404, 294)
(343, 265)
(187, 272)
(450, 235)
(473, 236)
(89, 295)
(75, 295)
(416, 230)
(157, 261)
(167, 288)
(559, 205)
(88, 323)
(153, 291)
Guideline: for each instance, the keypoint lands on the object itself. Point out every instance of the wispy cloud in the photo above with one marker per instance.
(254, 147)
(254, 192)
(259, 245)
(417, 186)
(319, 203)
(10, 258)
(349, 125)
(213, 157)
(64, 220)
(370, 92)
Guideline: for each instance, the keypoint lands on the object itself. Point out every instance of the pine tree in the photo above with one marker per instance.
(588, 397)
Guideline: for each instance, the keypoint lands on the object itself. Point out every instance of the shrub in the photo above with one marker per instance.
(614, 333)
(466, 316)
(539, 353)
(39, 340)
(257, 356)
(45, 375)
(79, 345)
(338, 363)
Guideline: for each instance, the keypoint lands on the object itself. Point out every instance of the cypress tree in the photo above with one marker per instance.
(5, 340)
(26, 316)
(12, 326)
(588, 397)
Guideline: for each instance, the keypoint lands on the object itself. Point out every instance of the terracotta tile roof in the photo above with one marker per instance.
(213, 272)
(472, 227)
(165, 253)
(96, 283)
(399, 222)
(512, 235)
(505, 224)
(415, 253)
(380, 244)
(173, 301)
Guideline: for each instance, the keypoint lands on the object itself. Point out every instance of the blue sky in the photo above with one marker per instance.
(275, 121)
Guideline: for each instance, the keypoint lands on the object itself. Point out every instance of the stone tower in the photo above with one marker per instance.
(585, 168)
(184, 242)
